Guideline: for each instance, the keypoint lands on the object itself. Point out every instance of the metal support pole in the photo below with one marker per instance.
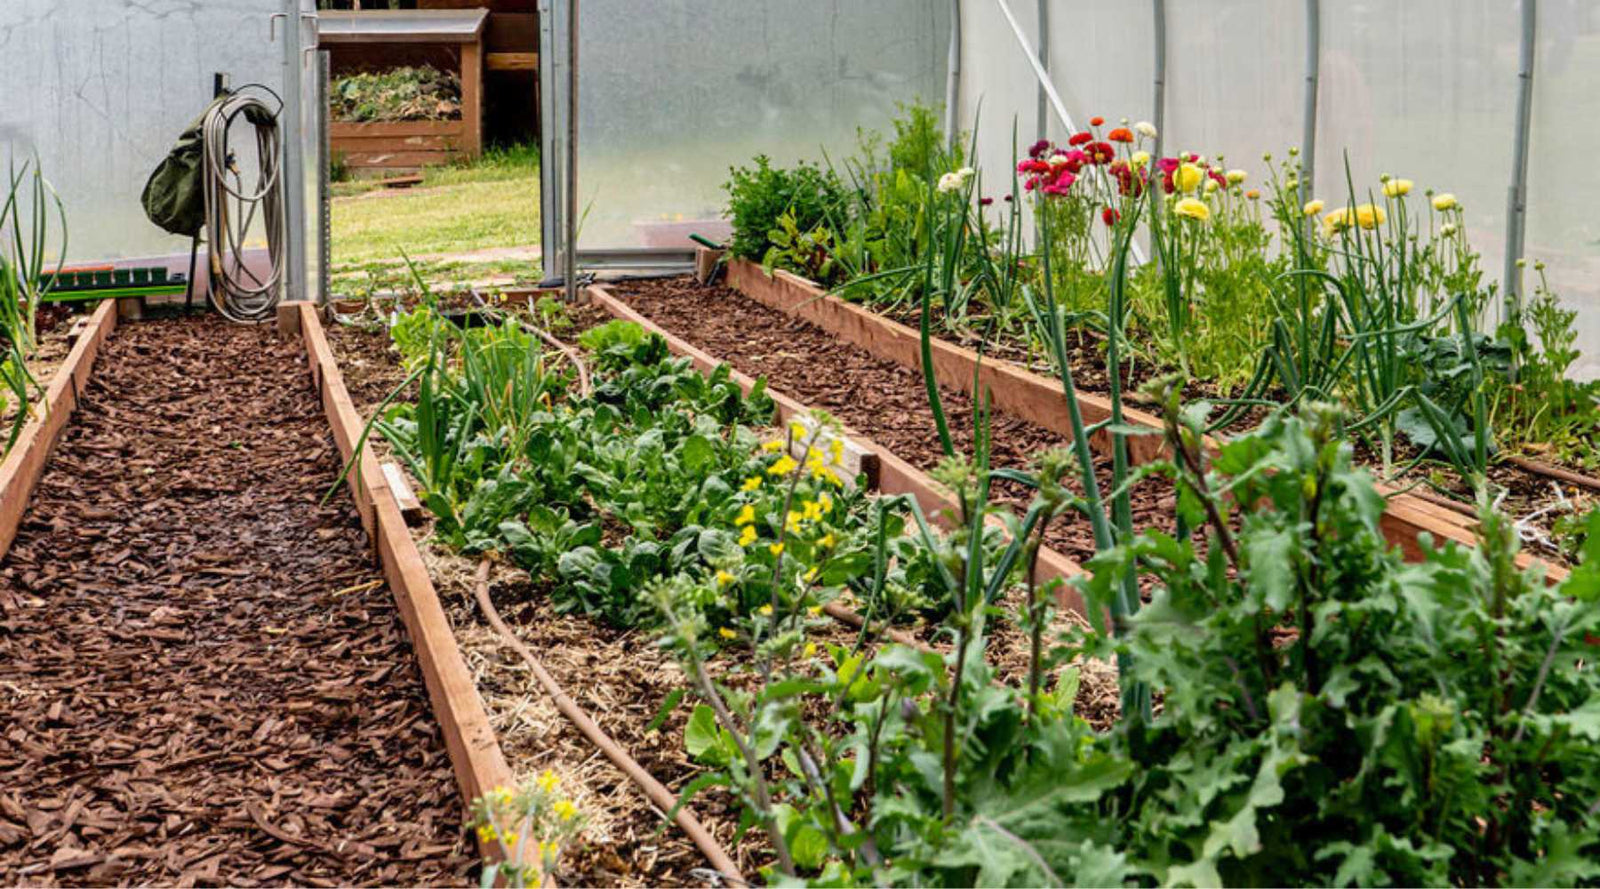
(952, 91)
(1043, 44)
(550, 153)
(1158, 111)
(290, 128)
(570, 256)
(1308, 126)
(1038, 70)
(1517, 197)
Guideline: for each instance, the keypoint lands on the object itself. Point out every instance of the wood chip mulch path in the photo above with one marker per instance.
(203, 678)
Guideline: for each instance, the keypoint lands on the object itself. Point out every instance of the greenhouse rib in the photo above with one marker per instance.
(1038, 400)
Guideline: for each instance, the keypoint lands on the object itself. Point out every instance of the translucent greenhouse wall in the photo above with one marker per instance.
(99, 90)
(1422, 89)
(673, 93)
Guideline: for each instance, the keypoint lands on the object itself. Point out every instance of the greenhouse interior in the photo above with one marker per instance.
(840, 443)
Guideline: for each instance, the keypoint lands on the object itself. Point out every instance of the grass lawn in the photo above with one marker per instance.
(491, 203)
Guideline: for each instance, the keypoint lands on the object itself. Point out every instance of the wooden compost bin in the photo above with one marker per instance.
(445, 37)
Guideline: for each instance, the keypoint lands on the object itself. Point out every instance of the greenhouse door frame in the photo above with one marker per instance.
(557, 159)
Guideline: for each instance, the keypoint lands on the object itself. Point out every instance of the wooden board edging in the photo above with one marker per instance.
(23, 466)
(894, 475)
(475, 753)
(1039, 400)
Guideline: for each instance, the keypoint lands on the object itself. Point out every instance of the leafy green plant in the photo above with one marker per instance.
(758, 196)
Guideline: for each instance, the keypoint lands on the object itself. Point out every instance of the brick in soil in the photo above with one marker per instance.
(205, 679)
(877, 398)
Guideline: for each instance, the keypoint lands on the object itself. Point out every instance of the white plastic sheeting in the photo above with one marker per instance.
(673, 93)
(100, 89)
(1422, 89)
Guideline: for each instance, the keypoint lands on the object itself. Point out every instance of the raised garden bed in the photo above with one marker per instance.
(1038, 399)
(208, 682)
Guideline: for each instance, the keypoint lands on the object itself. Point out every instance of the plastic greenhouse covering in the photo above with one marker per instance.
(99, 90)
(674, 93)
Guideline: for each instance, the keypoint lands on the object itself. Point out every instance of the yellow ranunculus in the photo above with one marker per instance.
(1237, 176)
(1337, 220)
(1140, 158)
(1211, 186)
(1194, 209)
(1313, 207)
(1188, 177)
(1396, 187)
(1370, 216)
(1444, 201)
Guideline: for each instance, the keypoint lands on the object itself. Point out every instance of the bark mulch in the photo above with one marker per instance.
(205, 679)
(878, 398)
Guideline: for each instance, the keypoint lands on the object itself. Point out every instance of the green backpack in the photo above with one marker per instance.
(174, 198)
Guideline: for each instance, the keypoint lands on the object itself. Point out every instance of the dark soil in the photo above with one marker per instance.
(206, 680)
(879, 399)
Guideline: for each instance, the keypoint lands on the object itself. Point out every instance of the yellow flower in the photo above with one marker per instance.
(824, 501)
(1314, 207)
(748, 536)
(1370, 216)
(724, 578)
(1396, 187)
(1140, 158)
(811, 575)
(792, 521)
(775, 548)
(548, 782)
(1444, 201)
(1237, 176)
(1192, 208)
(1189, 177)
(814, 611)
(1211, 186)
(565, 810)
(764, 611)
(810, 650)
(784, 466)
(1252, 194)
(1337, 220)
(726, 633)
(813, 510)
(747, 514)
(797, 429)
(752, 483)
(772, 447)
(836, 450)
(511, 839)
(486, 833)
(827, 541)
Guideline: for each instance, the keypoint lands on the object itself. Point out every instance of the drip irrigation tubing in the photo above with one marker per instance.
(1555, 472)
(655, 790)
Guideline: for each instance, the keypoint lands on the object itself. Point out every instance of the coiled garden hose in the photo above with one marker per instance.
(235, 290)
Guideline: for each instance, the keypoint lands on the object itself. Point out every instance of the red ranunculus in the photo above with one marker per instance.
(1075, 161)
(1080, 138)
(1110, 216)
(1096, 121)
(1039, 147)
(1101, 153)
(984, 202)
(1120, 134)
